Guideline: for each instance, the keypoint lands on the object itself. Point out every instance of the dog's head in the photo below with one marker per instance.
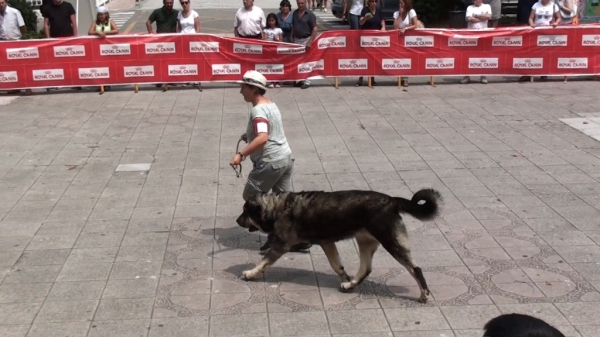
(256, 215)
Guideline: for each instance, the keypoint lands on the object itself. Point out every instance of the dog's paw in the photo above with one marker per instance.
(345, 277)
(248, 275)
(424, 296)
(346, 286)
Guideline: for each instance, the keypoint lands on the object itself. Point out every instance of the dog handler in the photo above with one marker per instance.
(267, 147)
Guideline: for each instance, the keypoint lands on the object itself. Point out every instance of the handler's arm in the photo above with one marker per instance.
(261, 128)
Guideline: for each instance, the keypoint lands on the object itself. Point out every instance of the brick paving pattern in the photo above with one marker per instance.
(89, 250)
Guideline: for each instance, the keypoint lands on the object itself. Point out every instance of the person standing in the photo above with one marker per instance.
(543, 13)
(370, 19)
(478, 16)
(165, 18)
(304, 29)
(188, 20)
(267, 147)
(496, 7)
(59, 20)
(523, 11)
(249, 21)
(103, 25)
(356, 7)
(12, 27)
(405, 18)
(284, 19)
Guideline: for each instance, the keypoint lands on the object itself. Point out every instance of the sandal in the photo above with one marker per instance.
(404, 83)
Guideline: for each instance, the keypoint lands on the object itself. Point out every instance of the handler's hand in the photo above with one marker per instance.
(236, 160)
(244, 137)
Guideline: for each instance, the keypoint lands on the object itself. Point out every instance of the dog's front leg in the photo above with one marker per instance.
(276, 251)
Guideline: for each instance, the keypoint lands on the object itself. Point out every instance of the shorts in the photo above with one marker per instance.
(276, 176)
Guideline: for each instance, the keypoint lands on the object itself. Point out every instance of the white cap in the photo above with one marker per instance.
(254, 78)
(102, 9)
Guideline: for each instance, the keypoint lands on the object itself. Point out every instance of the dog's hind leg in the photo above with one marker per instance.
(277, 250)
(335, 261)
(367, 245)
(397, 246)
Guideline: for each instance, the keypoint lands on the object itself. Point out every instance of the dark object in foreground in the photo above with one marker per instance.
(323, 218)
(518, 325)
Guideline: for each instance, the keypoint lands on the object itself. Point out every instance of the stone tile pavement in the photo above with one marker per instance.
(86, 250)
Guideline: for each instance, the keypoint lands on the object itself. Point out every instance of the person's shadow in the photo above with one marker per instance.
(228, 239)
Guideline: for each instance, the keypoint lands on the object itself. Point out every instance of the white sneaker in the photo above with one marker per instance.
(484, 80)
(465, 80)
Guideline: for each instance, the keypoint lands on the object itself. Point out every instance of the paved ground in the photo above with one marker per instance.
(86, 250)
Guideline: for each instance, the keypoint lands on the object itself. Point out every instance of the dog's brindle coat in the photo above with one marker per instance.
(519, 325)
(324, 218)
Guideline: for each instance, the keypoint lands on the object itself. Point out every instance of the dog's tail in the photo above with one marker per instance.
(423, 205)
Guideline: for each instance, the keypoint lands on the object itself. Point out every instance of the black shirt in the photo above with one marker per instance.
(165, 22)
(59, 17)
(302, 27)
(372, 23)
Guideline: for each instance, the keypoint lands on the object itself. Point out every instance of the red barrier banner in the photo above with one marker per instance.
(181, 58)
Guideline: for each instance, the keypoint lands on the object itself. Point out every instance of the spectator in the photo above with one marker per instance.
(404, 19)
(304, 29)
(12, 27)
(543, 13)
(59, 20)
(188, 21)
(273, 33)
(166, 22)
(284, 19)
(496, 6)
(568, 10)
(103, 25)
(356, 7)
(165, 18)
(478, 16)
(370, 19)
(524, 10)
(249, 21)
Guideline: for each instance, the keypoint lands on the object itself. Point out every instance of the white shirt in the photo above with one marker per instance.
(10, 24)
(544, 14)
(407, 20)
(272, 32)
(250, 22)
(187, 24)
(478, 10)
(356, 7)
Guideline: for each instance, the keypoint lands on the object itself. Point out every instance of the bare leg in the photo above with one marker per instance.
(276, 251)
(335, 261)
(367, 245)
(398, 248)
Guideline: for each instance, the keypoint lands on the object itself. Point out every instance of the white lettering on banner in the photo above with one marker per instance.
(139, 71)
(241, 48)
(375, 41)
(573, 63)
(94, 73)
(183, 70)
(346, 64)
(22, 53)
(528, 63)
(160, 48)
(48, 75)
(115, 49)
(419, 41)
(463, 41)
(552, 40)
(290, 50)
(227, 69)
(483, 63)
(69, 51)
(439, 63)
(507, 41)
(204, 47)
(332, 42)
(590, 40)
(396, 64)
(9, 77)
(308, 67)
(269, 69)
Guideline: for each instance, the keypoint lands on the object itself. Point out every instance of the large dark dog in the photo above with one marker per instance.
(518, 325)
(323, 218)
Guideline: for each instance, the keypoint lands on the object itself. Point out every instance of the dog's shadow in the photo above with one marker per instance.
(234, 238)
(318, 279)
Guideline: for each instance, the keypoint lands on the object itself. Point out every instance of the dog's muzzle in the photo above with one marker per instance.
(244, 222)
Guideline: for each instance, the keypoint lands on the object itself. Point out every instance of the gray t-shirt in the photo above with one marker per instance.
(277, 147)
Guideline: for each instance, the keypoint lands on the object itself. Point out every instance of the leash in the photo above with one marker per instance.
(240, 173)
